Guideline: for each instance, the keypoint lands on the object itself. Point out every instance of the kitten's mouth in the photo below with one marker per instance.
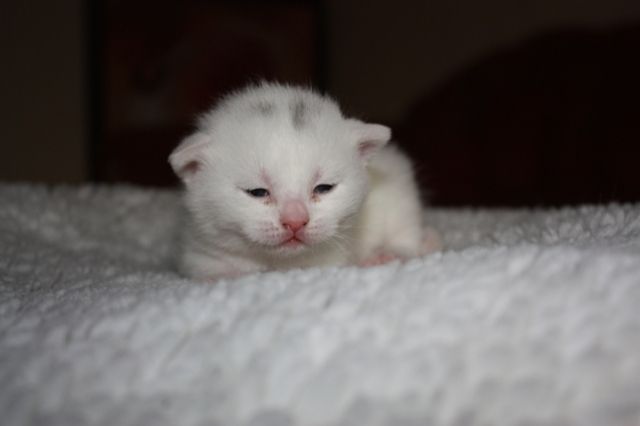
(292, 242)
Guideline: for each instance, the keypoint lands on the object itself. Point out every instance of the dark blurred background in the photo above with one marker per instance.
(501, 103)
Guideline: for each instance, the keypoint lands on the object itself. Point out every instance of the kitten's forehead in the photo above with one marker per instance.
(285, 133)
(282, 126)
(287, 163)
(296, 162)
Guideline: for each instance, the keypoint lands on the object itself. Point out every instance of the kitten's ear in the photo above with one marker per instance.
(187, 159)
(369, 137)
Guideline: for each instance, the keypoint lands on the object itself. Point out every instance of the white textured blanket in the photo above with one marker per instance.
(527, 318)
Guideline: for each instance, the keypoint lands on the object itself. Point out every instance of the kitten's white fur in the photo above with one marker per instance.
(288, 140)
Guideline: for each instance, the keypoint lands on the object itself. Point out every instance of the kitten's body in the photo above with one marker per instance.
(277, 178)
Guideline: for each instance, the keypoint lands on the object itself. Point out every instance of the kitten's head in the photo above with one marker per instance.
(277, 166)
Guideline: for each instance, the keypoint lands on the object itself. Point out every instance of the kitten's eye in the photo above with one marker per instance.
(323, 188)
(258, 192)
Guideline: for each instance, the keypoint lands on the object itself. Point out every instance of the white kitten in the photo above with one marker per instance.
(277, 178)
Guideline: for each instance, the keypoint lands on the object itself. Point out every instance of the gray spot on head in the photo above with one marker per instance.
(299, 113)
(264, 108)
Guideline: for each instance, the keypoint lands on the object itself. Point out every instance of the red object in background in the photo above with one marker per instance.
(162, 63)
(551, 121)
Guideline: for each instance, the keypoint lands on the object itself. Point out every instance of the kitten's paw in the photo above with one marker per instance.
(378, 259)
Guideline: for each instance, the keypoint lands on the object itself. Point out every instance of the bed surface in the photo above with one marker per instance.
(529, 317)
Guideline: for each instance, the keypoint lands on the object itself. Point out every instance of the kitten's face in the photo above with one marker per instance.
(279, 168)
(282, 193)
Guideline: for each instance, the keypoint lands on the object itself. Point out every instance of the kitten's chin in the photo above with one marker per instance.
(291, 247)
(284, 252)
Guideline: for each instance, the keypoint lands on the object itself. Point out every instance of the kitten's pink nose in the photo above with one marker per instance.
(294, 226)
(294, 215)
